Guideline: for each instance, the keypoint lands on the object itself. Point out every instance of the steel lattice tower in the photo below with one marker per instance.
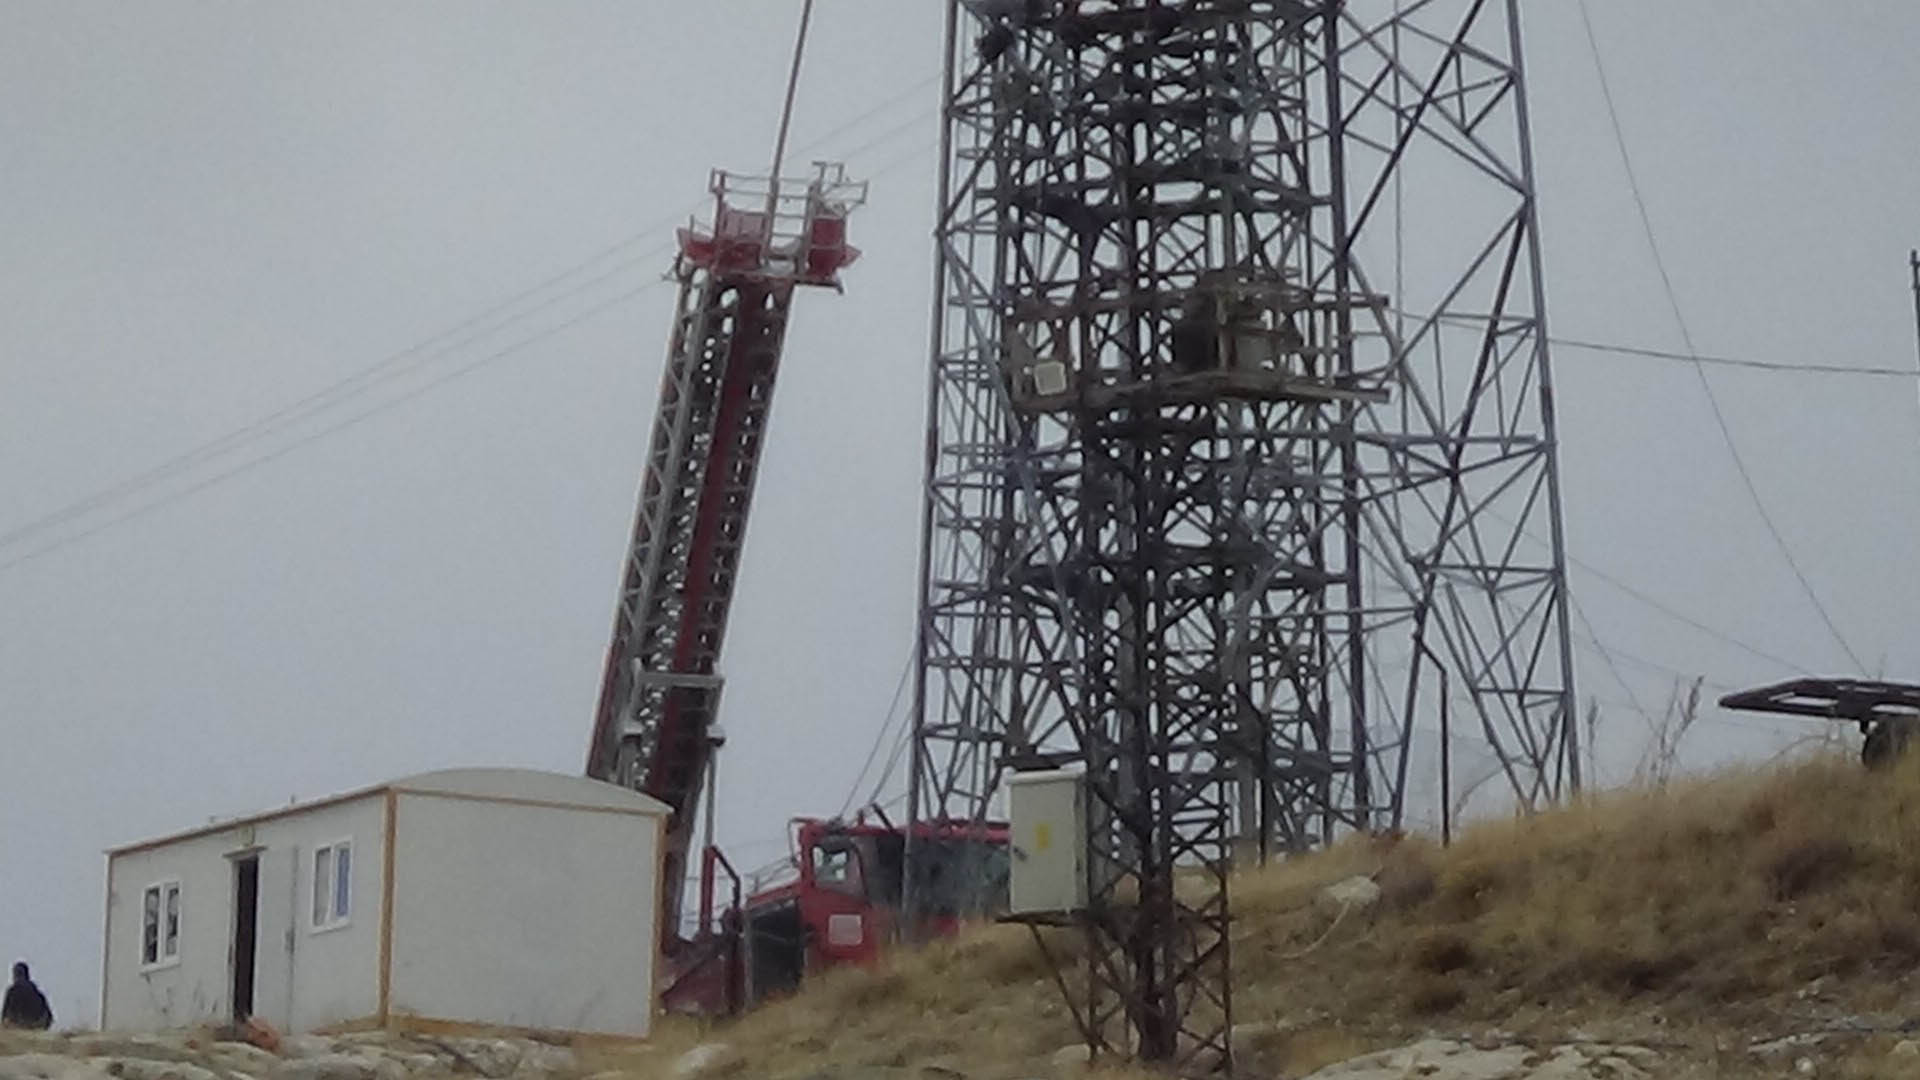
(1241, 479)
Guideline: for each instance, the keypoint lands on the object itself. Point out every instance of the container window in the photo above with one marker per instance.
(160, 924)
(332, 884)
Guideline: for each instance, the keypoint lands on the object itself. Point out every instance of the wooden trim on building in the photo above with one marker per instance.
(400, 786)
(386, 904)
(243, 822)
(543, 804)
(658, 989)
(423, 1025)
(106, 942)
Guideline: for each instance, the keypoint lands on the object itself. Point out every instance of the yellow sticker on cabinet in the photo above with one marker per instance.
(1042, 836)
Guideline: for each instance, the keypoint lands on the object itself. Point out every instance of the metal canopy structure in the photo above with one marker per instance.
(1887, 713)
(1859, 701)
(1241, 483)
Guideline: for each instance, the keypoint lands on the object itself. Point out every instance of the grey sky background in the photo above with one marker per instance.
(210, 210)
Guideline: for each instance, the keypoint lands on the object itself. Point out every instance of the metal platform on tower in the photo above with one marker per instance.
(1236, 338)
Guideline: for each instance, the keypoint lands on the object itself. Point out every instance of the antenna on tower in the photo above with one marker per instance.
(1913, 262)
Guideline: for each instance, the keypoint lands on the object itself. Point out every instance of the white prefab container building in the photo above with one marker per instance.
(484, 898)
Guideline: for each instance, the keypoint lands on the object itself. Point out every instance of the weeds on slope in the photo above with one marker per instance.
(1695, 896)
(1705, 902)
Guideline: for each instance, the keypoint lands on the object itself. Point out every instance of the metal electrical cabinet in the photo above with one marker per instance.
(1048, 811)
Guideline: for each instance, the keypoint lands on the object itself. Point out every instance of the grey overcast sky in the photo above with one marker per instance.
(210, 210)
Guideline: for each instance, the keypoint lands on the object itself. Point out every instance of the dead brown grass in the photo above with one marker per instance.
(1702, 907)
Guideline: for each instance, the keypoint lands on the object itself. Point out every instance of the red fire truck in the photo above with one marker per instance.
(836, 901)
(654, 729)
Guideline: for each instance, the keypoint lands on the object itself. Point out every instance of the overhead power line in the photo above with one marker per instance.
(468, 331)
(161, 473)
(152, 477)
(496, 317)
(366, 414)
(1677, 615)
(1660, 606)
(1686, 335)
(1736, 362)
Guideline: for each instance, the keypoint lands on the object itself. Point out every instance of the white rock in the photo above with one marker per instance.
(242, 1057)
(47, 1067)
(707, 1059)
(547, 1058)
(492, 1057)
(1248, 1032)
(1905, 1048)
(1359, 892)
(1788, 1042)
(100, 1045)
(387, 1067)
(144, 1069)
(304, 1046)
(328, 1067)
(33, 1066)
(1804, 1066)
(1072, 1057)
(1449, 1059)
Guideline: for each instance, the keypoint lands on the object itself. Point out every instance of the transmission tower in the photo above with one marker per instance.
(1241, 488)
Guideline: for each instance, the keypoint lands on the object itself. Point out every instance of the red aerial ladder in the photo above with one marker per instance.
(839, 899)
(842, 894)
(654, 729)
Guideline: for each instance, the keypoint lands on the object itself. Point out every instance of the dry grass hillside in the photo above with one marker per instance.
(1700, 919)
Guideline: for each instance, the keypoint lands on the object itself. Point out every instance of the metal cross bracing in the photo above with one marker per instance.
(653, 728)
(1241, 486)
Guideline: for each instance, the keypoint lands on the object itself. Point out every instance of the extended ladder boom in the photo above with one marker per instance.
(661, 690)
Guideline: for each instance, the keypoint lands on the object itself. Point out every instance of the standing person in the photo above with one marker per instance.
(25, 1006)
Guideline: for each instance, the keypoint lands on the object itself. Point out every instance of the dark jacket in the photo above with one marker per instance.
(26, 1007)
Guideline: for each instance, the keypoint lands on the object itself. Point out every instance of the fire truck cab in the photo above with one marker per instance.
(840, 900)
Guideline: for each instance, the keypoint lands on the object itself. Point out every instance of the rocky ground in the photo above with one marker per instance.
(1848, 1053)
(202, 1055)
(1839, 1052)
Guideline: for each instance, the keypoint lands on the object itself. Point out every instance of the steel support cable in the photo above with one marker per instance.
(879, 739)
(786, 109)
(1686, 335)
(489, 321)
(1613, 666)
(900, 745)
(1662, 607)
(1655, 667)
